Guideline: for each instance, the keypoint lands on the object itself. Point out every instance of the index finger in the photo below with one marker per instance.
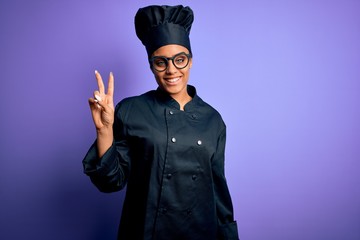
(100, 82)
(110, 91)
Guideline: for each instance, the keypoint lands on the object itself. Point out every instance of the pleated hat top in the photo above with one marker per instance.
(157, 26)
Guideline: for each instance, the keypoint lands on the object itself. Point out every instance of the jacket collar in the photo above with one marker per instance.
(165, 98)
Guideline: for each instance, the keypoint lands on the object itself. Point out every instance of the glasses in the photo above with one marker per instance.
(161, 63)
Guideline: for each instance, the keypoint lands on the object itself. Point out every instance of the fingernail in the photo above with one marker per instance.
(96, 71)
(111, 74)
(97, 97)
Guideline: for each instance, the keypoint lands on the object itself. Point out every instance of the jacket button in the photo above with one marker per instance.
(169, 175)
(194, 177)
(173, 139)
(199, 142)
(171, 112)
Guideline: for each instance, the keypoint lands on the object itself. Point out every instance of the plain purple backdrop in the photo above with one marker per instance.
(285, 75)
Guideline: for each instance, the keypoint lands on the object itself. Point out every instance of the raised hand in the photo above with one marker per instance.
(102, 104)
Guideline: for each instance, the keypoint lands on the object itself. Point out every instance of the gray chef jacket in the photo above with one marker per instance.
(173, 164)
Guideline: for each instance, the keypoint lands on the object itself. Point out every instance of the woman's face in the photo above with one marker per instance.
(172, 80)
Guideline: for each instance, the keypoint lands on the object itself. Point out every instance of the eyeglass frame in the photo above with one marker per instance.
(151, 61)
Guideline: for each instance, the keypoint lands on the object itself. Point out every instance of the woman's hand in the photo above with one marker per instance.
(102, 104)
(102, 111)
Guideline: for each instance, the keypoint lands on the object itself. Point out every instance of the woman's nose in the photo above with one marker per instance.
(171, 69)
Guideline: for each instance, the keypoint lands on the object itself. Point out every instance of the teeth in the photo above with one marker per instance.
(173, 79)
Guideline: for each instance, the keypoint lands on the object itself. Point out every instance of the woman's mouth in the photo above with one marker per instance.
(172, 80)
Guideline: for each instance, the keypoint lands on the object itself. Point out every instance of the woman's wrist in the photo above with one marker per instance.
(104, 131)
(104, 140)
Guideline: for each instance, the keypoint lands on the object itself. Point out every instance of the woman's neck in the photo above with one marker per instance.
(182, 100)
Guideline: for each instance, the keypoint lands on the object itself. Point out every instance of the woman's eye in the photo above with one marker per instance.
(160, 62)
(180, 60)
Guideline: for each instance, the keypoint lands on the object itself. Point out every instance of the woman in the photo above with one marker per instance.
(166, 145)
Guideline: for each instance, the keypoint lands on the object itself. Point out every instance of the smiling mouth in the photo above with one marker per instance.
(172, 80)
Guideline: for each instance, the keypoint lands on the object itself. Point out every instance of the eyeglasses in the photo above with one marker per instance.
(161, 63)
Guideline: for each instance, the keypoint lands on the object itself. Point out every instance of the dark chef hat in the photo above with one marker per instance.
(157, 26)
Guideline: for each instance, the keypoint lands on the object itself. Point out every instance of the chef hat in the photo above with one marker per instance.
(157, 26)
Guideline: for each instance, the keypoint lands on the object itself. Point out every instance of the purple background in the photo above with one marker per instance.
(285, 76)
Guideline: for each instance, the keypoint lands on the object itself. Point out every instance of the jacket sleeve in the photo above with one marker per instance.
(110, 172)
(227, 227)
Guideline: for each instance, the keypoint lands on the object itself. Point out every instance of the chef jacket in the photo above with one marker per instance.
(172, 164)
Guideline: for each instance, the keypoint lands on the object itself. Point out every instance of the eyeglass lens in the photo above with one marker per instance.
(180, 61)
